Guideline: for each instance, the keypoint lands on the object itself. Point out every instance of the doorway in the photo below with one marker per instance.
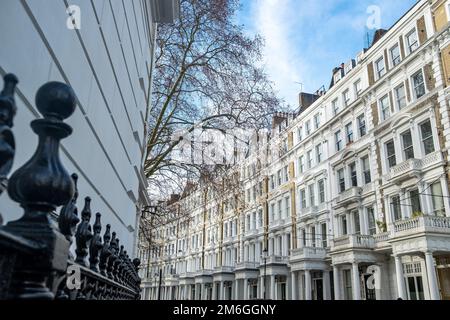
(317, 293)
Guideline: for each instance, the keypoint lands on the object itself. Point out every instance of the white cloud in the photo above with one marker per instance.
(275, 21)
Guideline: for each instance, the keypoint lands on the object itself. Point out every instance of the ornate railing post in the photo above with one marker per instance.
(68, 216)
(40, 186)
(105, 253)
(83, 235)
(96, 244)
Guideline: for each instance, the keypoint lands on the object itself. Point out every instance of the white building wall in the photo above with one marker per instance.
(105, 62)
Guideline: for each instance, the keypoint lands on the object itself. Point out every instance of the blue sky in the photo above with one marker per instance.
(306, 39)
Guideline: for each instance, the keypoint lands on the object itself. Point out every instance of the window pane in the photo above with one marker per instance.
(408, 149)
(419, 85)
(395, 55)
(390, 150)
(400, 97)
(362, 125)
(395, 207)
(427, 137)
(415, 201)
(384, 107)
(437, 199)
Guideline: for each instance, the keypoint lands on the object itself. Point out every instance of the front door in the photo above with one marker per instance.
(369, 293)
(317, 289)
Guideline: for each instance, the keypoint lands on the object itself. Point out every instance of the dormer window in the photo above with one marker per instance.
(337, 76)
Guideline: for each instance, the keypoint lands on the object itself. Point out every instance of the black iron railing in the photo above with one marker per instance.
(35, 260)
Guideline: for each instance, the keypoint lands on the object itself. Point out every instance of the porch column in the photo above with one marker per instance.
(307, 285)
(288, 287)
(214, 291)
(261, 287)
(432, 278)
(326, 285)
(336, 283)
(245, 289)
(400, 280)
(221, 296)
(236, 290)
(356, 282)
(293, 285)
(301, 286)
(272, 287)
(446, 195)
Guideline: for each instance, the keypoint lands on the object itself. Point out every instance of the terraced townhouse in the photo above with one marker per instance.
(346, 199)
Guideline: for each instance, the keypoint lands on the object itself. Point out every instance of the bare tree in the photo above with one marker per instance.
(207, 76)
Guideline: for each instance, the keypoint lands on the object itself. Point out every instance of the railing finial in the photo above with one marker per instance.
(40, 186)
(96, 243)
(84, 234)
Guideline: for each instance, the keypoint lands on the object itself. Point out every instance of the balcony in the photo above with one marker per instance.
(308, 253)
(412, 167)
(223, 269)
(247, 265)
(250, 233)
(278, 223)
(275, 259)
(353, 241)
(421, 224)
(349, 196)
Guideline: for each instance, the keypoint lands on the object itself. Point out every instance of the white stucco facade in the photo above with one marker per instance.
(358, 180)
(108, 61)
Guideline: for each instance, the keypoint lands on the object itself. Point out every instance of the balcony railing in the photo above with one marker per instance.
(277, 223)
(353, 241)
(35, 260)
(247, 265)
(223, 269)
(307, 253)
(411, 167)
(420, 224)
(275, 259)
(348, 196)
(381, 237)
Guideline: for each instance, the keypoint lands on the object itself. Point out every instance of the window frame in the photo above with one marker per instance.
(380, 72)
(396, 60)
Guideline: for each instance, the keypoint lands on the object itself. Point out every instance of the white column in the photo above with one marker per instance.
(356, 282)
(288, 287)
(308, 285)
(272, 287)
(432, 278)
(326, 285)
(204, 292)
(214, 291)
(301, 286)
(336, 283)
(294, 285)
(446, 195)
(221, 294)
(236, 290)
(245, 289)
(400, 280)
(261, 288)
